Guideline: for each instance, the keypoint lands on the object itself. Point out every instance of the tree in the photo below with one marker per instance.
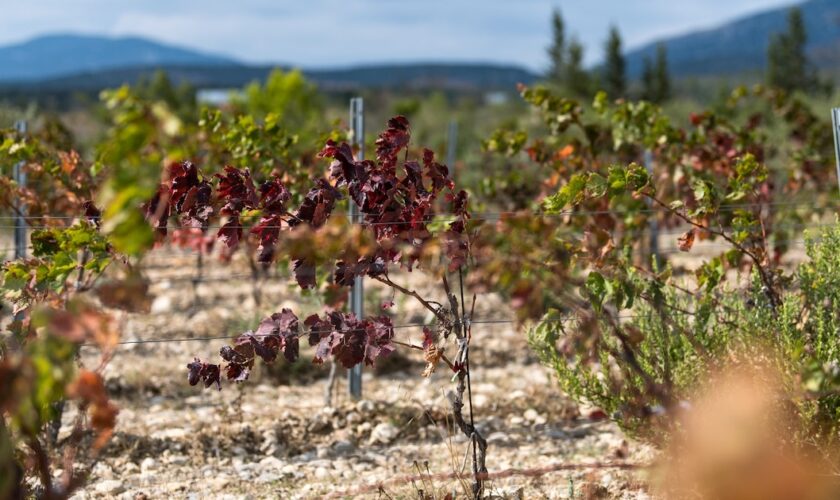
(648, 80)
(656, 82)
(788, 67)
(577, 78)
(614, 77)
(288, 95)
(662, 76)
(557, 50)
(159, 87)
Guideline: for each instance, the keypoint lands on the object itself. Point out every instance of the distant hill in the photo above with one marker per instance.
(741, 45)
(63, 64)
(58, 55)
(467, 76)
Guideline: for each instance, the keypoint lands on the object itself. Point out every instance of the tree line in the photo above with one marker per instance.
(788, 67)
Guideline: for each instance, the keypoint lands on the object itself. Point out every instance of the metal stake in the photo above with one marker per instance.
(653, 224)
(357, 124)
(452, 146)
(835, 126)
(20, 210)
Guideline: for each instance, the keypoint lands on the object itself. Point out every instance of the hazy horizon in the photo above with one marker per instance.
(315, 34)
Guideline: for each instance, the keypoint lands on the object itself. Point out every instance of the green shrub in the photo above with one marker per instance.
(636, 366)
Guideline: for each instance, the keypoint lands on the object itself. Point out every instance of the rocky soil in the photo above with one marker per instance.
(273, 436)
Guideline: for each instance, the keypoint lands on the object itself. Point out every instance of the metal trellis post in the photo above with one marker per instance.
(835, 126)
(20, 208)
(357, 124)
(653, 224)
(452, 145)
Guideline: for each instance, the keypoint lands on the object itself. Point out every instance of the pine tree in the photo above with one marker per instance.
(649, 90)
(557, 50)
(577, 78)
(788, 67)
(614, 78)
(159, 87)
(662, 76)
(656, 82)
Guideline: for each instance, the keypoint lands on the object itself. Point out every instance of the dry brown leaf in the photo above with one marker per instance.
(686, 241)
(431, 355)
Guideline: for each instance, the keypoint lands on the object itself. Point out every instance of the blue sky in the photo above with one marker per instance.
(318, 33)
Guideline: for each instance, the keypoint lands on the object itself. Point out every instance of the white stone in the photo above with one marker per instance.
(268, 477)
(109, 487)
(162, 304)
(172, 433)
(480, 400)
(177, 459)
(384, 433)
(517, 394)
(103, 471)
(322, 473)
(498, 437)
(272, 463)
(219, 482)
(365, 406)
(343, 447)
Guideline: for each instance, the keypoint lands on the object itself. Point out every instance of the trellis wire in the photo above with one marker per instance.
(498, 321)
(225, 278)
(496, 215)
(175, 251)
(797, 242)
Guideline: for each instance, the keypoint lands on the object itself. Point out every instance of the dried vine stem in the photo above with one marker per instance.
(463, 336)
(469, 430)
(42, 462)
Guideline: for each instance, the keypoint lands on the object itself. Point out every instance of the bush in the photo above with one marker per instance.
(670, 345)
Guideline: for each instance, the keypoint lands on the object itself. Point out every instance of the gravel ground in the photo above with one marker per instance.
(273, 436)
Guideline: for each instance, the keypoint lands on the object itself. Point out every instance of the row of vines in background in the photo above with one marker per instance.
(566, 201)
(598, 198)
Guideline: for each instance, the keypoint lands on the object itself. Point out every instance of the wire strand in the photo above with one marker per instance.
(480, 216)
(498, 321)
(176, 251)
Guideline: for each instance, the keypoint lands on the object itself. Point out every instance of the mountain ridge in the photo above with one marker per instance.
(59, 54)
(419, 76)
(128, 59)
(740, 45)
(67, 62)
